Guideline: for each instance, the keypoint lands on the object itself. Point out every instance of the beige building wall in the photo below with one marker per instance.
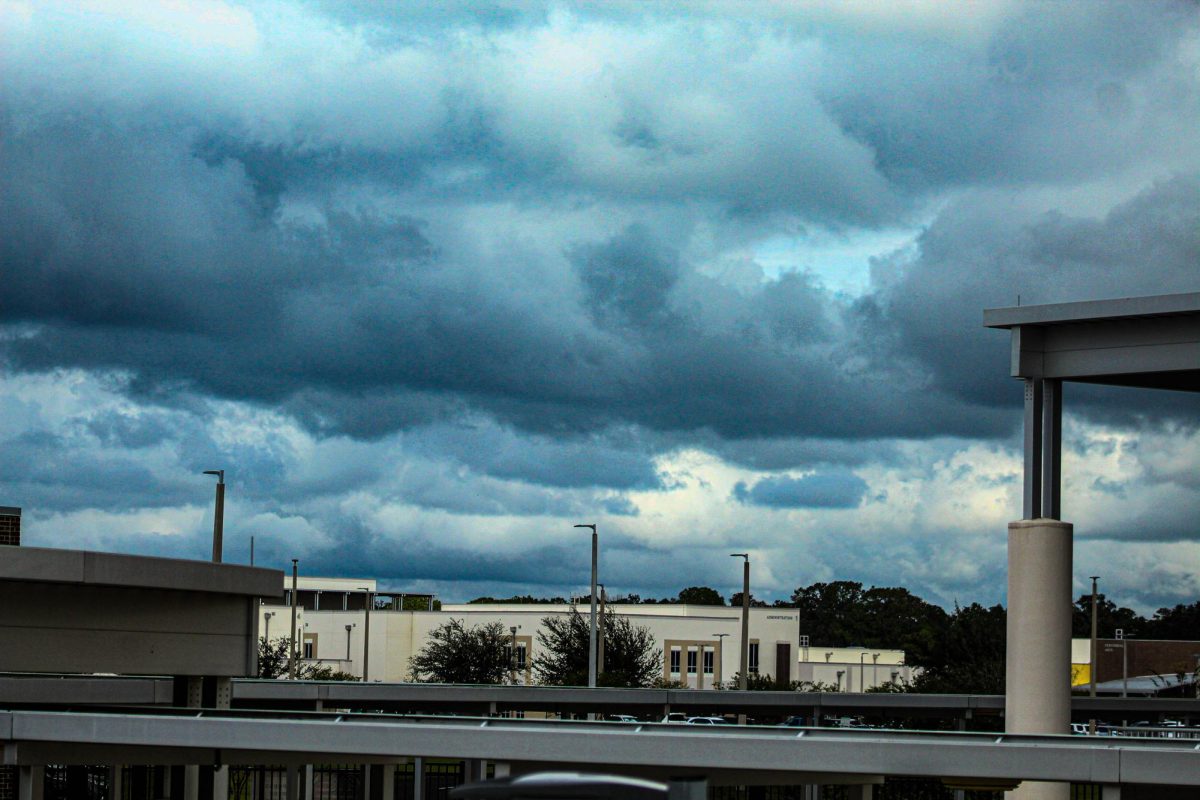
(776, 644)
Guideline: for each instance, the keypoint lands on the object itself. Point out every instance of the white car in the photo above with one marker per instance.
(707, 721)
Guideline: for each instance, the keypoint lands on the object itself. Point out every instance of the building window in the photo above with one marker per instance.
(708, 661)
(753, 667)
(804, 641)
(310, 646)
(521, 656)
(675, 661)
(691, 662)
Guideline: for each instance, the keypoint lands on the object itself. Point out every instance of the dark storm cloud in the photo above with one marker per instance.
(997, 250)
(478, 228)
(819, 490)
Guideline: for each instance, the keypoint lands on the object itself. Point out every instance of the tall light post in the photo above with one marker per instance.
(874, 669)
(601, 633)
(218, 513)
(292, 641)
(370, 601)
(349, 628)
(1092, 653)
(592, 629)
(862, 660)
(745, 618)
(512, 661)
(267, 617)
(720, 652)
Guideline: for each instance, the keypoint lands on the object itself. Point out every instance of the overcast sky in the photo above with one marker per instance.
(434, 285)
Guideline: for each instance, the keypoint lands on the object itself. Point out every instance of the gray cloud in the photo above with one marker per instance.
(480, 253)
(819, 490)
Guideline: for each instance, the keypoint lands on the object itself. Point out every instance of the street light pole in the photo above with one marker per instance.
(745, 618)
(603, 629)
(1092, 656)
(592, 629)
(720, 656)
(862, 668)
(370, 601)
(512, 661)
(218, 513)
(292, 641)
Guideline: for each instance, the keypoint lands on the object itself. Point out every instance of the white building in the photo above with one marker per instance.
(699, 643)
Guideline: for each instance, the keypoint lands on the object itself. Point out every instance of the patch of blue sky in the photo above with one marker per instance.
(840, 261)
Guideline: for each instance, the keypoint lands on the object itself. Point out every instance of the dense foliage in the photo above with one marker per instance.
(701, 596)
(455, 653)
(631, 656)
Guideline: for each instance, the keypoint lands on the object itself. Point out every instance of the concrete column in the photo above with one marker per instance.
(115, 788)
(292, 788)
(859, 791)
(1038, 663)
(388, 783)
(418, 779)
(1110, 791)
(501, 769)
(31, 781)
(687, 789)
(306, 782)
(223, 699)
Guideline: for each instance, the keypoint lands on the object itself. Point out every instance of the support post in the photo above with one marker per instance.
(418, 792)
(687, 789)
(1051, 449)
(1031, 503)
(31, 781)
(1038, 668)
(859, 791)
(116, 788)
(292, 640)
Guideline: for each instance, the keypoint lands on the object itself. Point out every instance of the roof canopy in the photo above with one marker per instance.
(1149, 342)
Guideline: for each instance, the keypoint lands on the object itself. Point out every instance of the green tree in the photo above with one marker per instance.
(273, 663)
(1109, 617)
(701, 596)
(1179, 622)
(844, 614)
(631, 657)
(735, 600)
(455, 653)
(759, 682)
(969, 658)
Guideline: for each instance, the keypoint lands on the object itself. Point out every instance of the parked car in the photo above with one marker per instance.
(794, 722)
(621, 718)
(707, 721)
(675, 717)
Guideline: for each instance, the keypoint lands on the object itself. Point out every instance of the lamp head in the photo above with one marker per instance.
(740, 555)
(220, 473)
(587, 525)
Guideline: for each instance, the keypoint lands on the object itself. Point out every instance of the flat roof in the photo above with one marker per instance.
(1093, 310)
(50, 565)
(1145, 342)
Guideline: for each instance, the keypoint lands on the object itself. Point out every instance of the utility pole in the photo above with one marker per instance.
(292, 641)
(603, 631)
(512, 661)
(1092, 657)
(218, 514)
(745, 619)
(370, 601)
(592, 628)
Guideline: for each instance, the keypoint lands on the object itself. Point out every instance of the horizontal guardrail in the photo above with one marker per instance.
(244, 738)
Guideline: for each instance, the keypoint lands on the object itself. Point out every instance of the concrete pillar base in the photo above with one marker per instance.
(1038, 660)
(1040, 790)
